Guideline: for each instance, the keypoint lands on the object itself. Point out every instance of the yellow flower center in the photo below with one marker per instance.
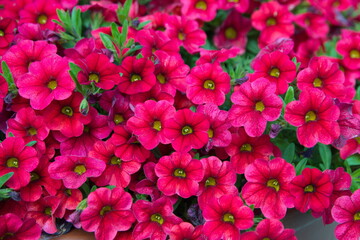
(271, 21)
(266, 238)
(118, 118)
(157, 125)
(186, 130)
(309, 189)
(31, 131)
(310, 116)
(115, 160)
(275, 72)
(34, 176)
(201, 5)
(80, 169)
(357, 216)
(135, 78)
(7, 235)
(179, 173)
(358, 140)
(210, 182)
(94, 77)
(157, 218)
(273, 183)
(42, 19)
(317, 82)
(68, 192)
(52, 84)
(209, 84)
(67, 111)
(211, 133)
(230, 33)
(12, 162)
(235, 1)
(48, 211)
(259, 106)
(161, 78)
(181, 36)
(228, 217)
(104, 210)
(354, 53)
(246, 148)
(2, 33)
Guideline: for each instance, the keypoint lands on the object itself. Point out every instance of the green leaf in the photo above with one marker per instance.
(4, 193)
(124, 32)
(10, 134)
(85, 187)
(7, 74)
(84, 107)
(4, 178)
(141, 197)
(106, 40)
(325, 155)
(82, 205)
(289, 96)
(76, 20)
(111, 187)
(31, 143)
(123, 12)
(357, 96)
(139, 56)
(93, 188)
(300, 166)
(115, 33)
(74, 70)
(143, 24)
(356, 174)
(132, 50)
(353, 160)
(289, 153)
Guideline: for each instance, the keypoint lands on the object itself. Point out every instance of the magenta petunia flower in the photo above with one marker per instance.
(225, 217)
(147, 123)
(243, 150)
(187, 130)
(219, 134)
(219, 179)
(69, 200)
(74, 171)
(7, 30)
(346, 211)
(204, 10)
(349, 48)
(13, 227)
(136, 75)
(107, 212)
(185, 230)
(316, 116)
(276, 67)
(186, 32)
(207, 83)
(155, 219)
(20, 56)
(65, 116)
(17, 158)
(117, 171)
(47, 80)
(268, 186)
(324, 74)
(239, 5)
(312, 190)
(270, 229)
(97, 69)
(3, 91)
(179, 174)
(255, 103)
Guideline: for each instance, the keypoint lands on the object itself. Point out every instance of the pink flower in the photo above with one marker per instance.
(147, 123)
(13, 227)
(185, 230)
(46, 81)
(108, 211)
(268, 186)
(17, 158)
(74, 171)
(312, 190)
(225, 217)
(207, 83)
(270, 229)
(316, 116)
(187, 130)
(346, 211)
(219, 179)
(155, 219)
(179, 174)
(255, 103)
(204, 10)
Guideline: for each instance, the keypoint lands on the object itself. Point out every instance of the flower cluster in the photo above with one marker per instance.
(185, 119)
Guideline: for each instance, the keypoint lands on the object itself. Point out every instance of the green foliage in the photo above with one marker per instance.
(325, 154)
(31, 143)
(301, 166)
(72, 24)
(4, 178)
(123, 11)
(289, 153)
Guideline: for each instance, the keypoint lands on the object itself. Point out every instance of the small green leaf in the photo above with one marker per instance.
(325, 155)
(76, 20)
(115, 33)
(93, 188)
(289, 153)
(111, 187)
(74, 70)
(124, 32)
(139, 56)
(141, 197)
(82, 205)
(7, 74)
(31, 143)
(4, 193)
(10, 134)
(357, 96)
(85, 187)
(132, 50)
(84, 107)
(106, 40)
(300, 166)
(143, 24)
(289, 96)
(4, 178)
(123, 12)
(353, 160)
